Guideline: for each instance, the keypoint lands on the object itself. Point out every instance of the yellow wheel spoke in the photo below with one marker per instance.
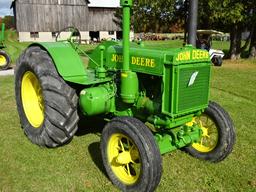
(128, 170)
(119, 148)
(133, 146)
(123, 156)
(122, 146)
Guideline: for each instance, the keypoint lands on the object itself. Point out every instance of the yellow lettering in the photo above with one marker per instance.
(113, 58)
(137, 61)
(147, 62)
(142, 62)
(117, 58)
(184, 56)
(197, 54)
(152, 63)
(133, 60)
(194, 54)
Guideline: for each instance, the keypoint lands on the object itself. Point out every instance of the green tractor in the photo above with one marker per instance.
(154, 101)
(4, 57)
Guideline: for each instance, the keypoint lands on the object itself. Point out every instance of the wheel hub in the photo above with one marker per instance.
(32, 99)
(209, 137)
(205, 132)
(124, 158)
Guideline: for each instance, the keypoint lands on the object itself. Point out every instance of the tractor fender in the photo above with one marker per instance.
(67, 61)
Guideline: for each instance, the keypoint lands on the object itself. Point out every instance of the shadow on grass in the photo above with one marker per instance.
(90, 125)
(94, 150)
(94, 125)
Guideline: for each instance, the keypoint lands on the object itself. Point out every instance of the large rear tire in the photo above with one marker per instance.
(46, 104)
(130, 155)
(5, 60)
(218, 135)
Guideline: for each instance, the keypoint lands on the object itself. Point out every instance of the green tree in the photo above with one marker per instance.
(151, 16)
(233, 16)
(9, 22)
(252, 50)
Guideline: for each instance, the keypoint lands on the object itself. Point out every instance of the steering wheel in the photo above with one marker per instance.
(74, 37)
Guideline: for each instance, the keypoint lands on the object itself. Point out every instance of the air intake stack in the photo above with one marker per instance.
(129, 79)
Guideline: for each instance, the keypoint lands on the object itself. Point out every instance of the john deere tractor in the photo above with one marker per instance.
(154, 101)
(4, 58)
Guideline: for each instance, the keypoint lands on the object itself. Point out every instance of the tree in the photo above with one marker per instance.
(148, 16)
(252, 50)
(9, 22)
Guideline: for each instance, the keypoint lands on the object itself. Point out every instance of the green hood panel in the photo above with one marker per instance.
(148, 60)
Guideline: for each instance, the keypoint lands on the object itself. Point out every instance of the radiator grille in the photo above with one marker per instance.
(196, 94)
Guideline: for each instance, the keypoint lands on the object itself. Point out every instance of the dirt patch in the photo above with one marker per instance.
(252, 183)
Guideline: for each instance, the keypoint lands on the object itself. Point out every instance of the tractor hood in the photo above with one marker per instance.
(148, 60)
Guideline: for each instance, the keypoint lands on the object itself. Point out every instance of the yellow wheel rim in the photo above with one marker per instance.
(3, 60)
(124, 158)
(32, 99)
(209, 139)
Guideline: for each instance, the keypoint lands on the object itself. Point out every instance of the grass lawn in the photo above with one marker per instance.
(78, 167)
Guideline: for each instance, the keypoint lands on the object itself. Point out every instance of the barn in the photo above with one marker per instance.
(40, 20)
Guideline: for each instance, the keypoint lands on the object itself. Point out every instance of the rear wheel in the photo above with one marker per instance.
(5, 60)
(130, 155)
(218, 135)
(46, 104)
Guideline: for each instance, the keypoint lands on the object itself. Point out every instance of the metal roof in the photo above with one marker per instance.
(104, 3)
(209, 32)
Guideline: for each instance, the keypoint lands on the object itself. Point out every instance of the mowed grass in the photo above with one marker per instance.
(77, 166)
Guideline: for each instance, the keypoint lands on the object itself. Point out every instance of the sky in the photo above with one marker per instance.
(104, 3)
(5, 7)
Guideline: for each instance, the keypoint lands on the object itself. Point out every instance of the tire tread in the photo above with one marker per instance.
(60, 100)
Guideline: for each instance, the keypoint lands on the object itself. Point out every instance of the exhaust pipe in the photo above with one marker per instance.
(192, 22)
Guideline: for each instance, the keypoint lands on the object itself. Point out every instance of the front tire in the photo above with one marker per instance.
(218, 135)
(46, 104)
(5, 60)
(130, 155)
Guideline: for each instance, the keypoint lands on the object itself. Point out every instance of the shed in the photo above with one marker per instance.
(39, 20)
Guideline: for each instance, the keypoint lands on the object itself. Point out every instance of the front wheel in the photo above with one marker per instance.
(218, 135)
(130, 155)
(5, 60)
(217, 61)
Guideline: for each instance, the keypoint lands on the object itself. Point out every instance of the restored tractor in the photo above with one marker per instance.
(155, 101)
(4, 58)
